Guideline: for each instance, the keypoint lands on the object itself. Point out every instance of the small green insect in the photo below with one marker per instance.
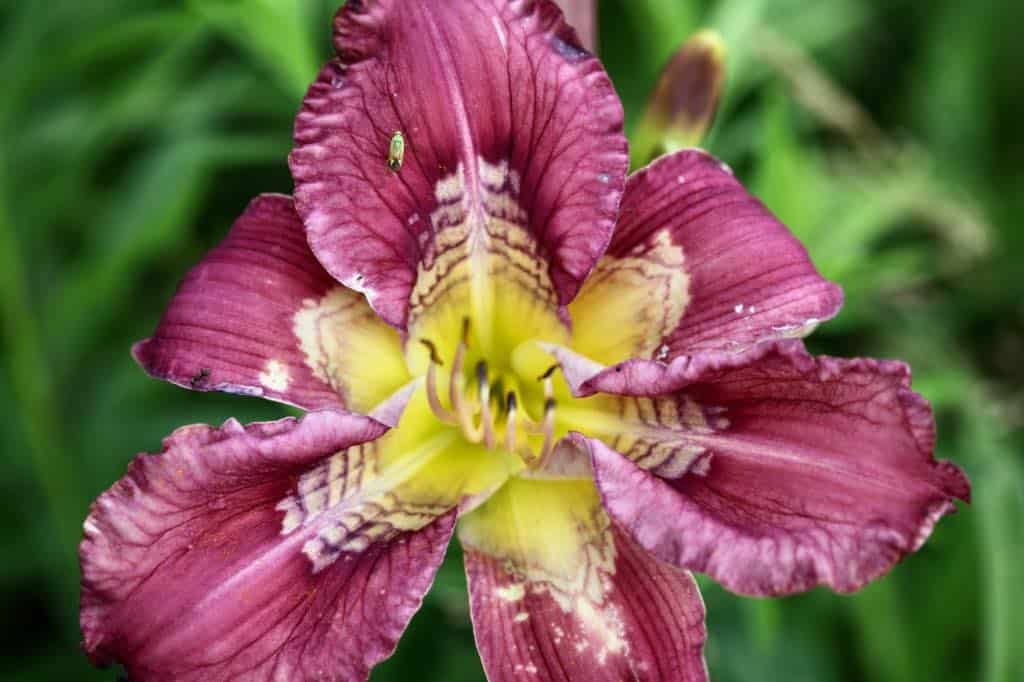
(396, 151)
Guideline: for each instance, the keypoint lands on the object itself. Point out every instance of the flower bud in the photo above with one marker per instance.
(683, 104)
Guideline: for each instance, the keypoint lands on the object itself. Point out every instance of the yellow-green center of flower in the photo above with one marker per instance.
(485, 405)
(481, 430)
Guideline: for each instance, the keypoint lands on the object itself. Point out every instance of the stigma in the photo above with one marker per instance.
(485, 413)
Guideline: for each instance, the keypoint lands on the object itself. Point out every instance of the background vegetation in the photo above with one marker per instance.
(886, 133)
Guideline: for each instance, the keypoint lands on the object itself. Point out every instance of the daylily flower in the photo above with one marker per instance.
(486, 321)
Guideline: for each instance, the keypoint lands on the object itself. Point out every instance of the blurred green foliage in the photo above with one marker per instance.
(885, 133)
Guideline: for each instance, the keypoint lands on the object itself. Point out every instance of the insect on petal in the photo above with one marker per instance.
(512, 137)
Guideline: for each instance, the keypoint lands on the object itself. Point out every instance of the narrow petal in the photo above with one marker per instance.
(475, 136)
(558, 592)
(254, 553)
(260, 316)
(799, 472)
(746, 278)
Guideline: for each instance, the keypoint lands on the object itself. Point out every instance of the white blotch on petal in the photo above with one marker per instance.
(513, 592)
(275, 376)
(238, 389)
(605, 625)
(702, 465)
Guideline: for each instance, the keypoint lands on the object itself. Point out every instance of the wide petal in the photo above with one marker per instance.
(254, 553)
(704, 266)
(475, 137)
(260, 316)
(793, 471)
(558, 592)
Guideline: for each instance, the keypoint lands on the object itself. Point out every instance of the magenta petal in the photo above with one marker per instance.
(658, 629)
(189, 574)
(812, 471)
(229, 326)
(750, 280)
(505, 121)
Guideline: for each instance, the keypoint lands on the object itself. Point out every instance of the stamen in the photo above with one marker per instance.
(549, 388)
(459, 406)
(484, 392)
(549, 432)
(498, 391)
(510, 422)
(462, 411)
(434, 357)
(435, 402)
(537, 428)
(548, 372)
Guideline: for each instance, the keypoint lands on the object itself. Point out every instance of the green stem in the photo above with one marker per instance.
(886, 647)
(999, 506)
(32, 385)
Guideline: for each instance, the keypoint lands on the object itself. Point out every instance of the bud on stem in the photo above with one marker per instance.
(683, 104)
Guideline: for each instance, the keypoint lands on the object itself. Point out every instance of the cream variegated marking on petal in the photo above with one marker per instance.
(661, 434)
(347, 346)
(628, 305)
(483, 262)
(554, 538)
(275, 376)
(513, 592)
(349, 502)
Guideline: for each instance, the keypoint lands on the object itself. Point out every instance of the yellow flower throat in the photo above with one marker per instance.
(486, 406)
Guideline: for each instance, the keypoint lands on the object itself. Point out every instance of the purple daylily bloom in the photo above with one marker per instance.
(597, 379)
